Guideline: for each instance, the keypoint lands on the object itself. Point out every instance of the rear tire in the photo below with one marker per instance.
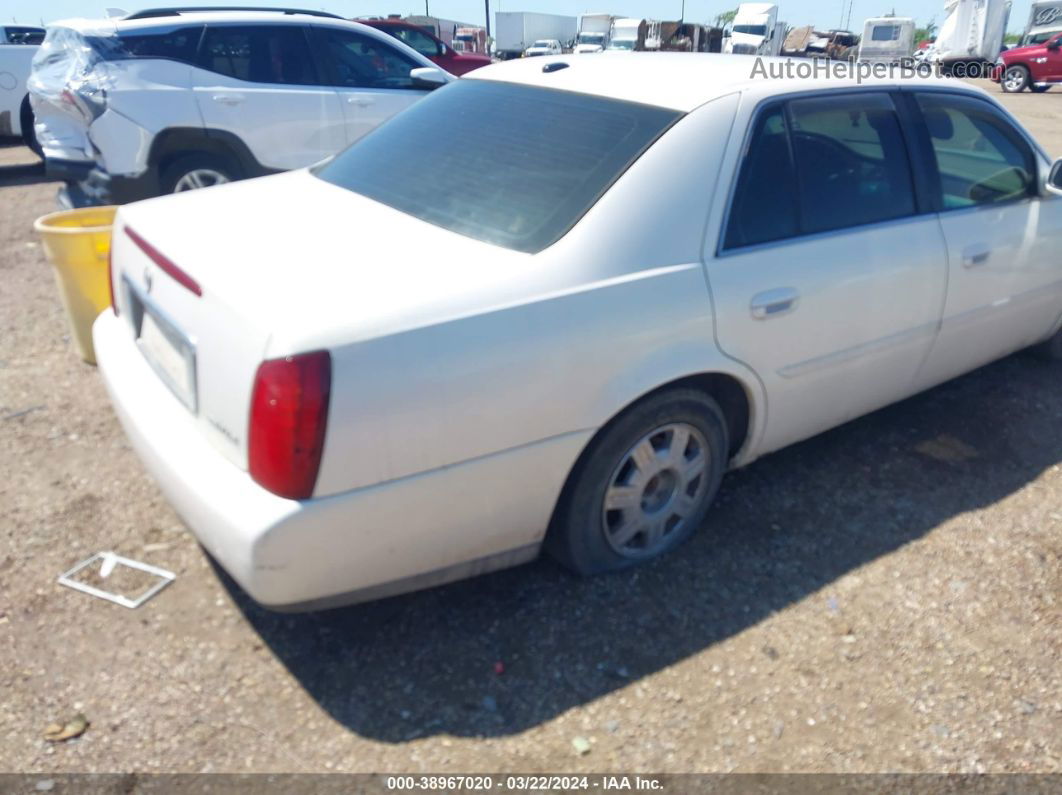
(644, 484)
(29, 135)
(192, 172)
(1015, 79)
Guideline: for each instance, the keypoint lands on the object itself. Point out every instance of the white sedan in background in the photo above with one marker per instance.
(544, 47)
(453, 345)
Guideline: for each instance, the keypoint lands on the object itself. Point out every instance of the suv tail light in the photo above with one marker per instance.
(289, 416)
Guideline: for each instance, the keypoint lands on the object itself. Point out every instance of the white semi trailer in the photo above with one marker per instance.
(515, 31)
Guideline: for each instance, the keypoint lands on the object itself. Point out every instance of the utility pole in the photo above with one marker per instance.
(486, 6)
(682, 16)
(426, 9)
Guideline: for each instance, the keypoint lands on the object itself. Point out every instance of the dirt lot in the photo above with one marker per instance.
(887, 596)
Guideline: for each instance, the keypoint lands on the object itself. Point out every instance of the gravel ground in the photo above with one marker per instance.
(884, 597)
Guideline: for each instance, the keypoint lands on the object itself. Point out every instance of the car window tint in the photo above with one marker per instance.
(509, 164)
(851, 161)
(25, 35)
(360, 61)
(261, 54)
(981, 158)
(418, 40)
(178, 45)
(764, 206)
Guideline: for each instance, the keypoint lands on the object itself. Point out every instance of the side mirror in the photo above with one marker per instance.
(1054, 179)
(428, 78)
(1054, 44)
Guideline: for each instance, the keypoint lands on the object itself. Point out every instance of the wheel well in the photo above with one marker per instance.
(171, 145)
(727, 391)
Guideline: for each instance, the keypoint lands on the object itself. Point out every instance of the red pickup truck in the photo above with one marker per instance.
(421, 40)
(1035, 67)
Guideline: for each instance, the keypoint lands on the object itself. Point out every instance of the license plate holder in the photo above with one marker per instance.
(169, 351)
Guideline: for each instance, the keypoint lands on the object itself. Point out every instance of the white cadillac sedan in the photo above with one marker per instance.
(551, 304)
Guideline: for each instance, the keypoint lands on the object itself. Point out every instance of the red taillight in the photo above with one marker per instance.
(289, 415)
(165, 264)
(110, 277)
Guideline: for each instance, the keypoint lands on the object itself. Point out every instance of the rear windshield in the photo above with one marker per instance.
(512, 165)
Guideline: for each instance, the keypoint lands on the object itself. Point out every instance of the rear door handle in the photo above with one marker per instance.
(229, 99)
(975, 255)
(774, 303)
(361, 101)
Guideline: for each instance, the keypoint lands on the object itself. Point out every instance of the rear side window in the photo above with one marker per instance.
(512, 165)
(821, 164)
(851, 161)
(360, 61)
(259, 54)
(177, 45)
(981, 158)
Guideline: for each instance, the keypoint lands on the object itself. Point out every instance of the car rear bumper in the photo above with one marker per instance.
(411, 533)
(86, 185)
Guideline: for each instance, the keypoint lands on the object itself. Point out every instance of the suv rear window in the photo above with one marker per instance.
(180, 45)
(512, 165)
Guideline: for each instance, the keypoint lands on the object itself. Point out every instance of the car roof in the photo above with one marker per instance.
(684, 81)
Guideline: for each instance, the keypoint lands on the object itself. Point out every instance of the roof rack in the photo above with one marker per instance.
(152, 13)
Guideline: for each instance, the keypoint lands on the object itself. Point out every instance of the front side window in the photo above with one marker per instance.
(981, 157)
(259, 54)
(360, 61)
(820, 164)
(512, 165)
(418, 40)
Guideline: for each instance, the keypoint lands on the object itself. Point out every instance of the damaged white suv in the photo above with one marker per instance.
(173, 99)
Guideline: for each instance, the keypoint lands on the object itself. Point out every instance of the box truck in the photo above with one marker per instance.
(627, 34)
(515, 31)
(594, 30)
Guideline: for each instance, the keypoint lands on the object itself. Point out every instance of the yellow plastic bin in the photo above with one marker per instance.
(77, 243)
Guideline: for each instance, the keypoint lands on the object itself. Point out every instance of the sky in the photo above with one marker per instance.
(821, 13)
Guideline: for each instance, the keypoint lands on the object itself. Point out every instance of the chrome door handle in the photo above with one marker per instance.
(773, 303)
(361, 102)
(228, 99)
(973, 256)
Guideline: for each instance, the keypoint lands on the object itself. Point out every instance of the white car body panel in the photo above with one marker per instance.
(447, 443)
(405, 529)
(15, 62)
(364, 110)
(311, 127)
